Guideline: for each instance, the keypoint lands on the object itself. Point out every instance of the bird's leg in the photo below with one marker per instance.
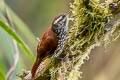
(63, 59)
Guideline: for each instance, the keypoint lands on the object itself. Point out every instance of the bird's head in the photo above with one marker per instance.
(60, 23)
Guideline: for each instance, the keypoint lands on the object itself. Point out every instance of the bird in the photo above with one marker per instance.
(53, 40)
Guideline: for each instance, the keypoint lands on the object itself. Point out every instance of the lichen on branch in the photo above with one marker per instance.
(93, 23)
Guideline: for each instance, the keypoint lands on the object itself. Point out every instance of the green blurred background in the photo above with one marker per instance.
(38, 15)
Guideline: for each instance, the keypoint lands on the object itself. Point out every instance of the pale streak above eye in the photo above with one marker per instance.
(58, 19)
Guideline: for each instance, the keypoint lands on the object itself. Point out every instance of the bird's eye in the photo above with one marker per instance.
(63, 16)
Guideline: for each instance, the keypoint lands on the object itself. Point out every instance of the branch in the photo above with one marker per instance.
(94, 24)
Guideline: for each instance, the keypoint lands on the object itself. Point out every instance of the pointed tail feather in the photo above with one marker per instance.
(35, 67)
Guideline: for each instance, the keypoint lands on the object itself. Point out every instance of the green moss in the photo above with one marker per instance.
(89, 29)
(93, 24)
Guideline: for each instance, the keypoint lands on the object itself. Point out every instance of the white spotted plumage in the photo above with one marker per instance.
(60, 27)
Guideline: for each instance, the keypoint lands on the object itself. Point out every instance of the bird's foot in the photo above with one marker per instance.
(63, 59)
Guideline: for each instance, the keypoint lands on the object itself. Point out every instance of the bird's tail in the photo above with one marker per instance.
(35, 67)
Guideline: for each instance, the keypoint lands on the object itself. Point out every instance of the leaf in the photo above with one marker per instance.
(22, 27)
(2, 67)
(2, 76)
(7, 51)
(17, 38)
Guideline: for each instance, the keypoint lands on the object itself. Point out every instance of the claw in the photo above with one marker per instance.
(63, 59)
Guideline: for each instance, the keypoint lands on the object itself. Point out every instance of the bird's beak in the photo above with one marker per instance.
(68, 13)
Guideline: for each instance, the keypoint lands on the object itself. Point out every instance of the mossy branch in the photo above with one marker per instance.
(93, 24)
